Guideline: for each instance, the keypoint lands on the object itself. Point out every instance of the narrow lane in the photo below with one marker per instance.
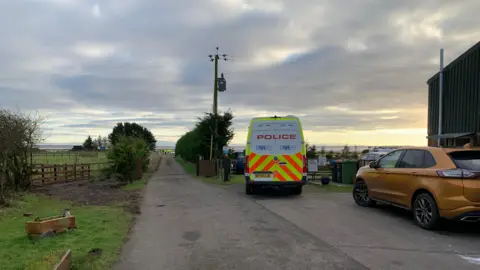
(186, 224)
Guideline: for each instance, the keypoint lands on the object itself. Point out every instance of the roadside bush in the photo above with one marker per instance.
(132, 130)
(19, 133)
(188, 146)
(124, 156)
(199, 139)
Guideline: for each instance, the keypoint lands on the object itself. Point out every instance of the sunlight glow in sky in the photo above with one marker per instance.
(354, 72)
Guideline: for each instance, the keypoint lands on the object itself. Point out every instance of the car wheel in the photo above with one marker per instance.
(360, 194)
(297, 190)
(249, 189)
(425, 211)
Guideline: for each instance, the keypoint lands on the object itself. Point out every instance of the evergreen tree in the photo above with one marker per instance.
(88, 144)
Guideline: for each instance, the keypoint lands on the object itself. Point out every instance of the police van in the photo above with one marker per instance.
(275, 154)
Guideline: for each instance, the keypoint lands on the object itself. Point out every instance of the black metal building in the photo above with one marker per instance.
(461, 101)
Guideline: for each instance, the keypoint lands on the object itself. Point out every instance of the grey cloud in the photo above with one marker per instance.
(160, 63)
(149, 122)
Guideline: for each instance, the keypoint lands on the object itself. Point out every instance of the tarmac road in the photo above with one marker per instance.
(379, 238)
(186, 224)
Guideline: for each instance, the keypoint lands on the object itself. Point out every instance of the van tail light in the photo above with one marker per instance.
(305, 170)
(247, 167)
(458, 173)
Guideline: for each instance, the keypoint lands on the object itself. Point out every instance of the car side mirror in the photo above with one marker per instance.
(372, 165)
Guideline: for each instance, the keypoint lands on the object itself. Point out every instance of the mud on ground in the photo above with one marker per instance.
(106, 192)
(98, 193)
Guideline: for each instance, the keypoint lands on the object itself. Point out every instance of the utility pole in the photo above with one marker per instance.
(215, 58)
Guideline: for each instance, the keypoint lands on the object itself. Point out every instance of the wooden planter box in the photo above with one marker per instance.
(65, 262)
(55, 224)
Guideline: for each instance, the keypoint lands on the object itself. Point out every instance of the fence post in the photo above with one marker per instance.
(82, 171)
(65, 172)
(55, 173)
(43, 174)
(88, 168)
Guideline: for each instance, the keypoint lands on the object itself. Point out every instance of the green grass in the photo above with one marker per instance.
(235, 180)
(187, 166)
(139, 184)
(69, 157)
(155, 159)
(103, 227)
(333, 187)
(190, 169)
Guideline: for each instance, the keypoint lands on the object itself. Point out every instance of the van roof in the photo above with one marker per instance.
(274, 117)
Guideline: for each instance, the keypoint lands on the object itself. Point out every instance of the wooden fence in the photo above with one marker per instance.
(45, 174)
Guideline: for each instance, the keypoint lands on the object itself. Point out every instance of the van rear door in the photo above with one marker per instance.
(276, 148)
(262, 147)
(289, 145)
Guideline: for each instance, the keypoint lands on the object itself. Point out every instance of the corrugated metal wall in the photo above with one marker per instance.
(461, 95)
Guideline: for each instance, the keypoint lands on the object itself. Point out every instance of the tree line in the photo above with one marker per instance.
(200, 138)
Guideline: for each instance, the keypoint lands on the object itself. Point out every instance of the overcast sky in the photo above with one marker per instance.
(354, 71)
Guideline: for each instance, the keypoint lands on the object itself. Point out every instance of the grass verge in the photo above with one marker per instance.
(190, 169)
(139, 184)
(155, 160)
(333, 187)
(103, 227)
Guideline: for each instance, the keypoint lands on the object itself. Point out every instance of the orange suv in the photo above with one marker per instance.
(431, 182)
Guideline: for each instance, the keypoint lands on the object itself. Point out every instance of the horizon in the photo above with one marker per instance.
(235, 146)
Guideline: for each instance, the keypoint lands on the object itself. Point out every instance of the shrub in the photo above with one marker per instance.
(19, 133)
(199, 140)
(124, 156)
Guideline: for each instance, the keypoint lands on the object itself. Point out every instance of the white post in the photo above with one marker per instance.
(440, 97)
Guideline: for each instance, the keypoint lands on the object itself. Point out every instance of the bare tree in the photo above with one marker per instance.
(19, 133)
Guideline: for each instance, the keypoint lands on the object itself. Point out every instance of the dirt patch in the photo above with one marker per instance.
(97, 193)
(106, 192)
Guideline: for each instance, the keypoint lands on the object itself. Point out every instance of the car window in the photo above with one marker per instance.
(390, 160)
(417, 159)
(429, 160)
(469, 160)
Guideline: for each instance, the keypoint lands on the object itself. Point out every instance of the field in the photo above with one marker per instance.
(103, 212)
(68, 157)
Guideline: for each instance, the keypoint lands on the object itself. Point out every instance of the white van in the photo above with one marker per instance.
(275, 154)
